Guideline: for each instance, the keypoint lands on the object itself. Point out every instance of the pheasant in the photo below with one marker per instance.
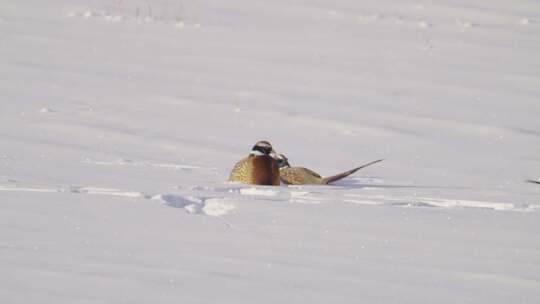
(303, 176)
(260, 167)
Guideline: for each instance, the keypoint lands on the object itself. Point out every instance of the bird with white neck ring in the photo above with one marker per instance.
(260, 167)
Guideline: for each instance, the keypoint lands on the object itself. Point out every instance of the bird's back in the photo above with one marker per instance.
(300, 176)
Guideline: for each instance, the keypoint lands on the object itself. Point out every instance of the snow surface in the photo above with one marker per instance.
(120, 121)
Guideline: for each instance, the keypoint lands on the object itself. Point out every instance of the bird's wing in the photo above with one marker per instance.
(299, 176)
(238, 172)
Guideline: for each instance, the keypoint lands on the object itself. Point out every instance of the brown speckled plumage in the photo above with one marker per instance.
(300, 176)
(303, 176)
(256, 169)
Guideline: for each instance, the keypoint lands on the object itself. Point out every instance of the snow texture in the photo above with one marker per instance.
(120, 122)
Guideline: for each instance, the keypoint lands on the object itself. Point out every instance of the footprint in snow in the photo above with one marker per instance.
(464, 25)
(140, 15)
(196, 205)
(46, 110)
(107, 191)
(410, 202)
(524, 21)
(259, 191)
(127, 162)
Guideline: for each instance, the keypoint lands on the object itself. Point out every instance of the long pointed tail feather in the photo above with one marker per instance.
(533, 181)
(333, 178)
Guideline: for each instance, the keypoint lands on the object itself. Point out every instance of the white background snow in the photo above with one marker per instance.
(120, 122)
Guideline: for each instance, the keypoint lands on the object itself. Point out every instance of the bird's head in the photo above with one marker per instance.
(283, 162)
(263, 147)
